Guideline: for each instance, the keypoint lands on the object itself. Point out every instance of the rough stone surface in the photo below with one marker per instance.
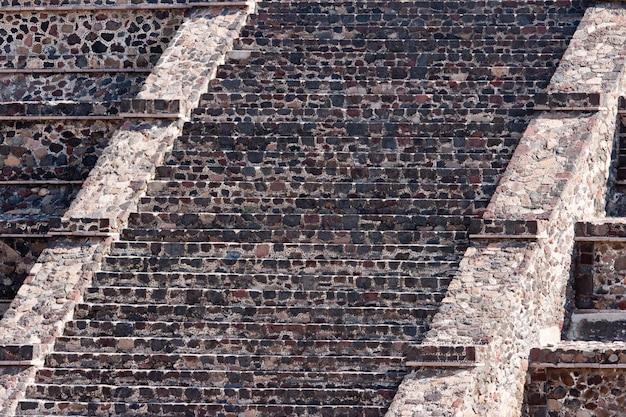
(17, 256)
(61, 150)
(557, 175)
(63, 73)
(61, 32)
(507, 292)
(574, 379)
(74, 40)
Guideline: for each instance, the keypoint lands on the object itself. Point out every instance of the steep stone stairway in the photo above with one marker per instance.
(65, 70)
(305, 227)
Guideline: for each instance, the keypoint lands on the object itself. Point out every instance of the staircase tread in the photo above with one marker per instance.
(217, 371)
(238, 340)
(209, 355)
(386, 274)
(260, 290)
(88, 304)
(144, 244)
(234, 324)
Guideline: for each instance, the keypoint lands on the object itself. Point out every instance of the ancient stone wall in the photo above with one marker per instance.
(510, 293)
(58, 32)
(601, 275)
(77, 44)
(57, 149)
(587, 382)
(183, 75)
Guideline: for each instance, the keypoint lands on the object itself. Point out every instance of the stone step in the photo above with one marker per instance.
(550, 58)
(240, 251)
(435, 263)
(464, 31)
(315, 222)
(511, 45)
(434, 260)
(382, 281)
(352, 73)
(421, 105)
(92, 392)
(260, 297)
(270, 236)
(309, 205)
(429, 188)
(423, 7)
(245, 330)
(499, 126)
(339, 115)
(446, 148)
(438, 88)
(467, 95)
(324, 18)
(271, 314)
(227, 346)
(495, 152)
(264, 174)
(43, 408)
(221, 379)
(118, 360)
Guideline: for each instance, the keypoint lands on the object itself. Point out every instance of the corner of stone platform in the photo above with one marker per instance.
(509, 293)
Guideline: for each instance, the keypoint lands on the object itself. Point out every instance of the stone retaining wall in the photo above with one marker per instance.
(577, 379)
(69, 42)
(76, 65)
(184, 71)
(61, 32)
(601, 275)
(33, 150)
(85, 87)
(510, 293)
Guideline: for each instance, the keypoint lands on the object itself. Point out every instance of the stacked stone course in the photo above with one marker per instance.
(53, 286)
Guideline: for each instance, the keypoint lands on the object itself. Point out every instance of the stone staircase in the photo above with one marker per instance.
(65, 73)
(292, 249)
